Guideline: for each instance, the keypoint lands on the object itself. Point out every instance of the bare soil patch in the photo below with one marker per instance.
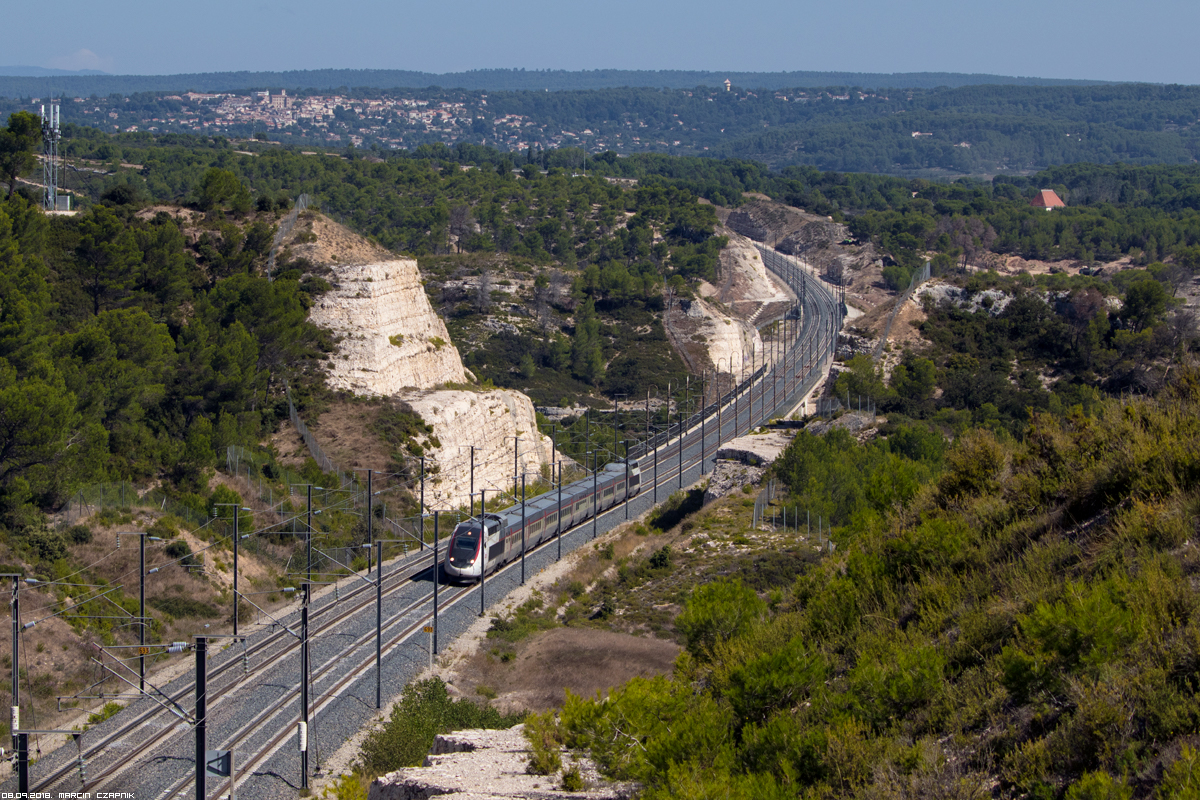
(323, 241)
(1012, 265)
(582, 660)
(185, 216)
(344, 431)
(290, 450)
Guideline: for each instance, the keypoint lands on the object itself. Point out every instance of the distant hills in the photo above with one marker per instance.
(35, 81)
(45, 72)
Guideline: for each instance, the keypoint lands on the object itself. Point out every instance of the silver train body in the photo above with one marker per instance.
(484, 545)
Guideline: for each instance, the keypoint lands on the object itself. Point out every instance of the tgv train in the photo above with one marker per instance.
(489, 542)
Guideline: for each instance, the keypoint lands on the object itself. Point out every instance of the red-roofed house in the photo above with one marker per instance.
(1047, 199)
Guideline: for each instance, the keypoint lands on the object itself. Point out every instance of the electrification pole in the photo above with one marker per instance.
(436, 565)
(308, 538)
(378, 624)
(483, 546)
(303, 689)
(201, 714)
(522, 528)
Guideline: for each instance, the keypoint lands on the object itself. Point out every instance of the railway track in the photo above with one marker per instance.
(254, 714)
(271, 649)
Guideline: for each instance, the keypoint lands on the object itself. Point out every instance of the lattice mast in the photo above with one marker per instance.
(51, 136)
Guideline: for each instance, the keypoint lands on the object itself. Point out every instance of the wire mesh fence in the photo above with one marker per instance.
(772, 512)
(285, 227)
(829, 407)
(919, 277)
(123, 495)
(326, 464)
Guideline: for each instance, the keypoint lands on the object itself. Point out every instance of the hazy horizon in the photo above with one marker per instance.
(1097, 40)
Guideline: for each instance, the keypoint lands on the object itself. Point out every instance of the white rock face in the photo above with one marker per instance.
(745, 277)
(389, 331)
(393, 344)
(489, 421)
(729, 340)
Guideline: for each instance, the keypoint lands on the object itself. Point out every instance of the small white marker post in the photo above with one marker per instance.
(429, 630)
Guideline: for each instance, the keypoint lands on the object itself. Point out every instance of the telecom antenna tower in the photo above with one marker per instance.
(51, 135)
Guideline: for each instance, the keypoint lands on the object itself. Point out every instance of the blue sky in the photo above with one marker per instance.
(1098, 39)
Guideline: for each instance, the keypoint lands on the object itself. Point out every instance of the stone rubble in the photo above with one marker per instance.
(743, 462)
(489, 765)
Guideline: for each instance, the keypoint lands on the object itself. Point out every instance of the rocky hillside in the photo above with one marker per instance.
(390, 338)
(391, 343)
(827, 245)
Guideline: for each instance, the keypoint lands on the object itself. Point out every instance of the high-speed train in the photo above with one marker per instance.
(492, 540)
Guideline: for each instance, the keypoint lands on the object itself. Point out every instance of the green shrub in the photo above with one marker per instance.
(777, 680)
(545, 741)
(1099, 786)
(1182, 779)
(109, 710)
(181, 607)
(79, 534)
(572, 781)
(346, 787)
(166, 527)
(179, 551)
(896, 677)
(648, 724)
(47, 545)
(424, 710)
(717, 612)
(109, 517)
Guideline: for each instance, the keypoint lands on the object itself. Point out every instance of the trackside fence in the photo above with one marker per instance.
(285, 227)
(919, 277)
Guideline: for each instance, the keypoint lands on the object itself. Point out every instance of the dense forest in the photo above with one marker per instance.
(457, 208)
(978, 130)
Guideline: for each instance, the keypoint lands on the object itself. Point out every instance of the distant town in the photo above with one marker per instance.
(398, 120)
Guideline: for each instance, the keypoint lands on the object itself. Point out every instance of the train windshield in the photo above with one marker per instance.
(466, 540)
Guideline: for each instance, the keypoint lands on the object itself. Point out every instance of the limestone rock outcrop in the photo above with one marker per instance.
(728, 339)
(743, 461)
(490, 421)
(391, 339)
(758, 219)
(391, 343)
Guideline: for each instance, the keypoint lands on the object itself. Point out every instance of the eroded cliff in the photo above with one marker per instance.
(391, 343)
(390, 338)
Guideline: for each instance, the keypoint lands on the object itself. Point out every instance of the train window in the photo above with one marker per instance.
(607, 493)
(553, 518)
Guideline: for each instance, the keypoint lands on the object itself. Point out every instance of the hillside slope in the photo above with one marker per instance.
(391, 344)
